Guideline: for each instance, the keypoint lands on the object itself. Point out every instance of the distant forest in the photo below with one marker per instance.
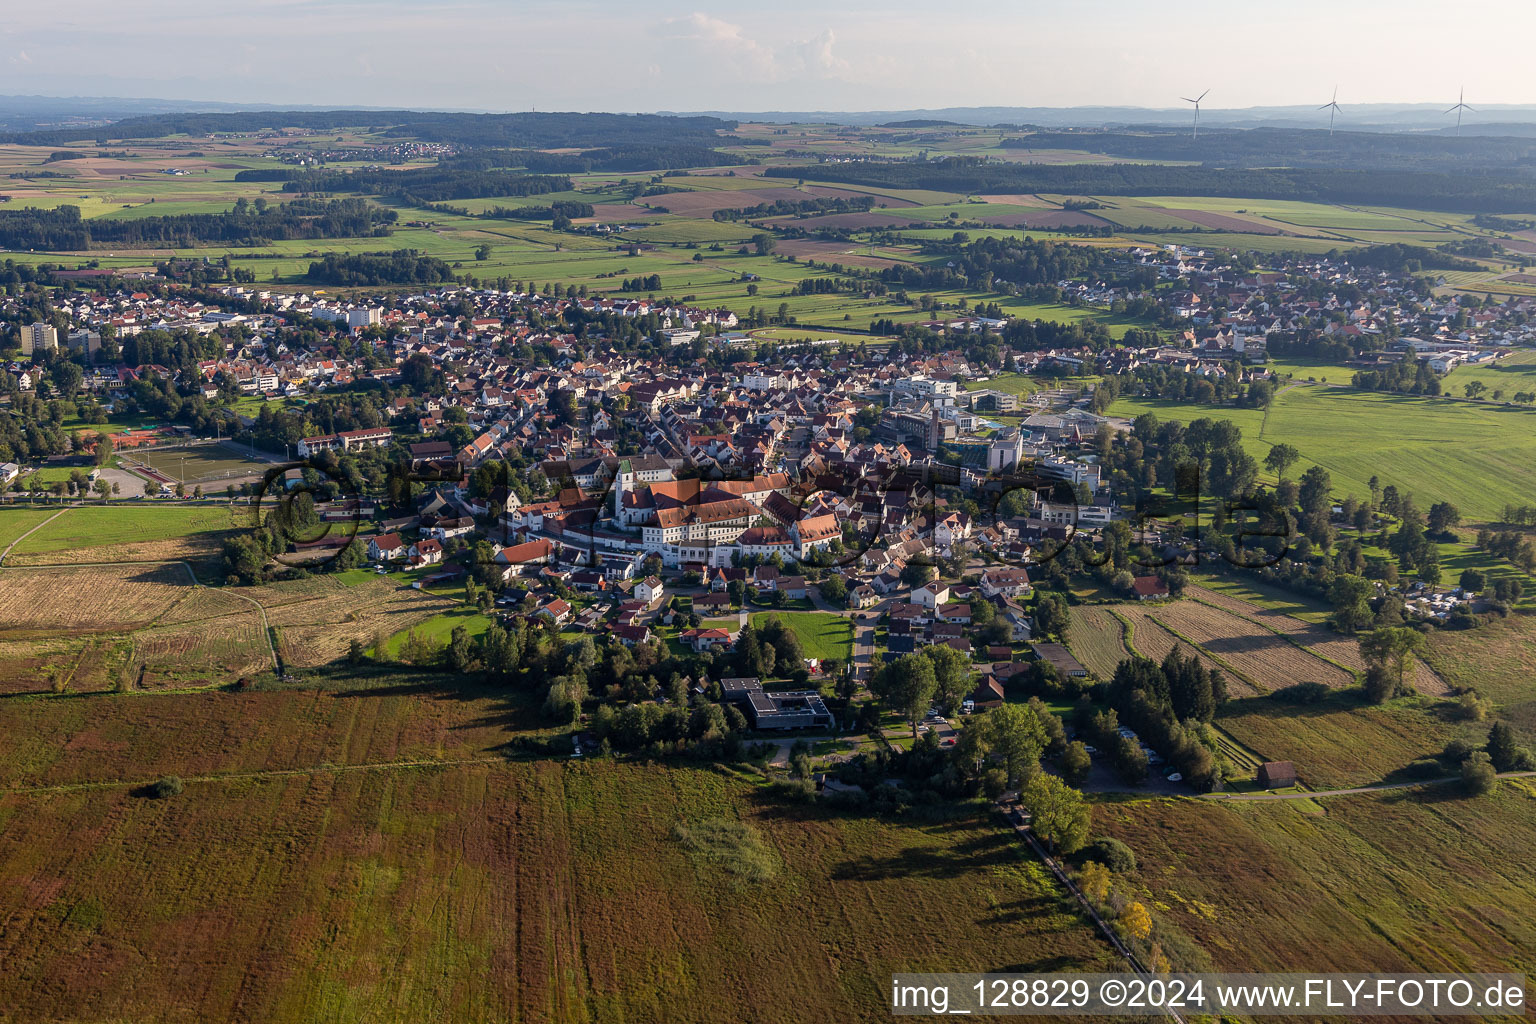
(423, 185)
(1460, 193)
(513, 131)
(246, 224)
(403, 266)
(1284, 147)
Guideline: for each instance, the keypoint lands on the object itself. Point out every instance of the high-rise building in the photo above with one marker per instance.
(38, 337)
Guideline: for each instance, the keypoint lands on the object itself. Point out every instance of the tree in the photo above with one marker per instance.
(1280, 458)
(1392, 650)
(1076, 763)
(1051, 615)
(1475, 389)
(1016, 736)
(1058, 814)
(1503, 751)
(1135, 921)
(834, 589)
(1443, 517)
(915, 574)
(103, 448)
(1474, 581)
(1094, 881)
(907, 684)
(1350, 595)
(1478, 774)
(951, 672)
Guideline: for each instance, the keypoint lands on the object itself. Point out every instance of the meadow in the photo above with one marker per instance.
(374, 857)
(1398, 881)
(1474, 455)
(821, 634)
(123, 532)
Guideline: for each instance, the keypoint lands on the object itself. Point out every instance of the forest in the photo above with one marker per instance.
(245, 224)
(1307, 147)
(523, 130)
(357, 269)
(1459, 193)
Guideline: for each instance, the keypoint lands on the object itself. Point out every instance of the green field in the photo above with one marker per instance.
(16, 521)
(439, 629)
(821, 634)
(114, 525)
(1476, 456)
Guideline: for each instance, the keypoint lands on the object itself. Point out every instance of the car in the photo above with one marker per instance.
(948, 743)
(1090, 748)
(1176, 777)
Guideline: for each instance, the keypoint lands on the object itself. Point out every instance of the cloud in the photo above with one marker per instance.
(719, 40)
(817, 58)
(21, 58)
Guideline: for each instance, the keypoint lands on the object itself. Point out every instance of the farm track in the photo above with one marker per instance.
(257, 773)
(29, 533)
(1380, 787)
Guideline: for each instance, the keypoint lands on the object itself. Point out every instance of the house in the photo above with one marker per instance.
(702, 640)
(712, 604)
(988, 695)
(958, 612)
(519, 556)
(863, 596)
(386, 547)
(1010, 583)
(556, 611)
(629, 636)
(649, 591)
(588, 581)
(1277, 774)
(1061, 659)
(426, 552)
(931, 595)
(1149, 588)
(446, 529)
(792, 587)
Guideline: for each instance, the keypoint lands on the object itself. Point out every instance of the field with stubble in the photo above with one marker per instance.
(370, 856)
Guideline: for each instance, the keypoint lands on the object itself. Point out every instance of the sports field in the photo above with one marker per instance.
(200, 464)
(821, 634)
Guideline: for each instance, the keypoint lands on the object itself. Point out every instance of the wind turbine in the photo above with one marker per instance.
(1196, 102)
(1332, 106)
(1459, 107)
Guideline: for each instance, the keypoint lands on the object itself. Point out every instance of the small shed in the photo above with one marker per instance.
(1277, 774)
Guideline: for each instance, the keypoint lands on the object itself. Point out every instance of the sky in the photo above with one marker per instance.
(770, 54)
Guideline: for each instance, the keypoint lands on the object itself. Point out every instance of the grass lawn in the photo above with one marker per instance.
(16, 521)
(105, 525)
(822, 634)
(439, 628)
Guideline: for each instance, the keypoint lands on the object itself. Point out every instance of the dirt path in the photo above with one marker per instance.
(262, 773)
(29, 533)
(1378, 788)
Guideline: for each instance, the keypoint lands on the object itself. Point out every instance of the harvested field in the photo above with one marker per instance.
(1342, 649)
(198, 653)
(1153, 640)
(62, 665)
(1226, 222)
(87, 599)
(855, 221)
(490, 890)
(1271, 661)
(1044, 220)
(830, 252)
(318, 629)
(1096, 639)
